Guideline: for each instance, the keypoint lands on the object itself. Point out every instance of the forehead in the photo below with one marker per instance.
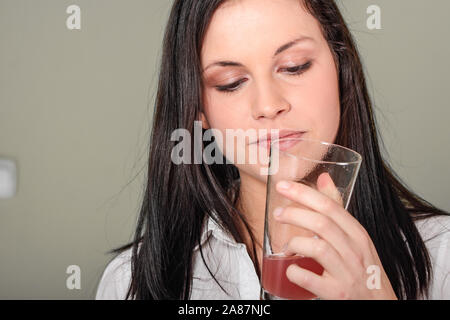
(240, 28)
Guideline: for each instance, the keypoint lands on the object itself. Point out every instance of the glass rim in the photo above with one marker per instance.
(358, 156)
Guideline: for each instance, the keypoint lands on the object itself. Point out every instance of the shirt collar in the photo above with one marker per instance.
(212, 228)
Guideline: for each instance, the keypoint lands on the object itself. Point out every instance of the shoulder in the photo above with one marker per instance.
(116, 278)
(434, 229)
(435, 232)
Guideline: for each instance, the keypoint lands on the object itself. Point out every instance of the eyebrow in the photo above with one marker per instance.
(277, 52)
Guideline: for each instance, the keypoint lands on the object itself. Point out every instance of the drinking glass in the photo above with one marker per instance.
(300, 160)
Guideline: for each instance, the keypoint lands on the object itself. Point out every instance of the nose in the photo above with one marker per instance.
(269, 103)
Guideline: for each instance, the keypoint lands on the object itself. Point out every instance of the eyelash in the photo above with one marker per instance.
(298, 71)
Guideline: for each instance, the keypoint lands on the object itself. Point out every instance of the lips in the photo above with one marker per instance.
(283, 134)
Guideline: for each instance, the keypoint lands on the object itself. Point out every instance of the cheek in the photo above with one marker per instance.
(320, 103)
(225, 112)
(222, 114)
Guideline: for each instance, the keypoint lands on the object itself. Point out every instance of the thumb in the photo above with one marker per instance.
(326, 185)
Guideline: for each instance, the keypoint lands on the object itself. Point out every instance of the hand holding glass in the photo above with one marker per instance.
(304, 161)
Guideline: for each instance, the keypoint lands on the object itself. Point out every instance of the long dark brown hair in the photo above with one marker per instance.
(178, 198)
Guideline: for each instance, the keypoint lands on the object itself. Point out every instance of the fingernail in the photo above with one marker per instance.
(277, 212)
(284, 185)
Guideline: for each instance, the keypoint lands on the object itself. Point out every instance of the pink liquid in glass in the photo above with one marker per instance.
(275, 281)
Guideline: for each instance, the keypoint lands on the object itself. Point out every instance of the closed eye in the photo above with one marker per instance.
(230, 88)
(292, 71)
(298, 70)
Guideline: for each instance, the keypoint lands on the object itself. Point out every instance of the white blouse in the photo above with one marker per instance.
(233, 268)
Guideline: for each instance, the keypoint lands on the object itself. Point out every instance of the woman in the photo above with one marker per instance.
(263, 64)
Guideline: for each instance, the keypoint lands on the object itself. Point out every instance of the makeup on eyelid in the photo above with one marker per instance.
(295, 70)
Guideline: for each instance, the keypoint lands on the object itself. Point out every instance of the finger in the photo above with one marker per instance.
(321, 203)
(321, 251)
(326, 185)
(323, 226)
(308, 280)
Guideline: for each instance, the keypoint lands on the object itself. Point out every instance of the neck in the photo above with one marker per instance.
(251, 202)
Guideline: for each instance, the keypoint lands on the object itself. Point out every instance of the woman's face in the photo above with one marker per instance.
(282, 74)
